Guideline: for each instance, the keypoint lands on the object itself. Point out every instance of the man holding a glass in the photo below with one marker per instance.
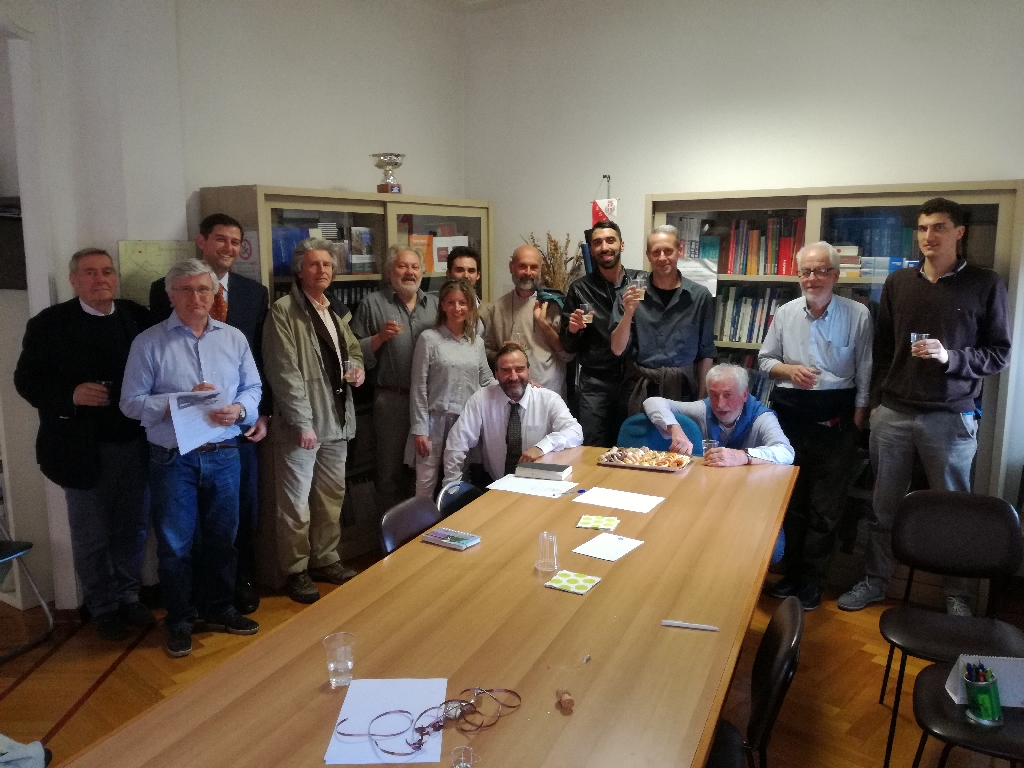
(312, 361)
(926, 391)
(667, 325)
(818, 350)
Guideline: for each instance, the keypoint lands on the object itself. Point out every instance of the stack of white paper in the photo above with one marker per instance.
(607, 546)
(631, 502)
(549, 489)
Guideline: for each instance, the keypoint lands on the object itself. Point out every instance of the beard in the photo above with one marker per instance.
(526, 283)
(514, 388)
(407, 289)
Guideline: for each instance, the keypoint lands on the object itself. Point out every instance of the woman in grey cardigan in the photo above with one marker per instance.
(448, 366)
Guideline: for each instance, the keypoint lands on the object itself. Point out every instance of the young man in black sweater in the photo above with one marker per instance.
(924, 393)
(71, 366)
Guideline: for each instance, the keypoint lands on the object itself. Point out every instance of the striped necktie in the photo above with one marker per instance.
(513, 440)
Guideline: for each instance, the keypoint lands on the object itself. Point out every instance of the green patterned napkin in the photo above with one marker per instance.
(577, 583)
(598, 523)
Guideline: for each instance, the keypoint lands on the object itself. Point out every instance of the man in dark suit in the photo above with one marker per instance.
(241, 303)
(71, 366)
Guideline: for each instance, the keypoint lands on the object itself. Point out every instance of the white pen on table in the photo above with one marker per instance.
(687, 625)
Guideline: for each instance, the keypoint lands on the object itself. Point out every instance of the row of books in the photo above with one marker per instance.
(771, 252)
(354, 255)
(876, 236)
(744, 313)
(853, 264)
(761, 385)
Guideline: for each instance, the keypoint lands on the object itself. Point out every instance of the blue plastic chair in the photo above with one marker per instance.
(455, 496)
(638, 431)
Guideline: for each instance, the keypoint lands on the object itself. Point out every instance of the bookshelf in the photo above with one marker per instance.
(878, 221)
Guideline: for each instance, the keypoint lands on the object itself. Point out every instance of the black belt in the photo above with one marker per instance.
(208, 447)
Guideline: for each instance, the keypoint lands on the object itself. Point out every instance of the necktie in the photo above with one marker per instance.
(219, 310)
(513, 440)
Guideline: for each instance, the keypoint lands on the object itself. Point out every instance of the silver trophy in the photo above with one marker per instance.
(388, 162)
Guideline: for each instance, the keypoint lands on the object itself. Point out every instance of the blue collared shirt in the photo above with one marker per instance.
(169, 358)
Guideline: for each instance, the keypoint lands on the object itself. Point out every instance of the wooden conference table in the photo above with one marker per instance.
(649, 695)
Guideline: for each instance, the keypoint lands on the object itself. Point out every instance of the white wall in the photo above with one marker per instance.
(8, 155)
(710, 96)
(301, 93)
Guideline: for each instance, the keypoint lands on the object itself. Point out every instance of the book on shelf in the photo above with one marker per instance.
(744, 314)
(361, 249)
(771, 251)
(425, 245)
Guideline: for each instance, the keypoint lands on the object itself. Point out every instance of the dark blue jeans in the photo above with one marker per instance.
(248, 508)
(195, 496)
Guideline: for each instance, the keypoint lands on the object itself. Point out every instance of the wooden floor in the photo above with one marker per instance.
(77, 688)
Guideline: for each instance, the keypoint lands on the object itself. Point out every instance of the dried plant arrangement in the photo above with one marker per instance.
(558, 268)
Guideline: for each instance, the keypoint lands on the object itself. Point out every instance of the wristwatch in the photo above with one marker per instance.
(241, 416)
(750, 459)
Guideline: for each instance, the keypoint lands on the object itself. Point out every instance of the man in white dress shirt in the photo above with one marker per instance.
(514, 421)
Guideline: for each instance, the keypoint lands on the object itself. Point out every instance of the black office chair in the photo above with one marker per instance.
(952, 534)
(12, 552)
(405, 521)
(940, 717)
(774, 667)
(455, 496)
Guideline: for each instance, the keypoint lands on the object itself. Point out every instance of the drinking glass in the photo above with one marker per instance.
(339, 658)
(708, 445)
(640, 283)
(588, 313)
(547, 552)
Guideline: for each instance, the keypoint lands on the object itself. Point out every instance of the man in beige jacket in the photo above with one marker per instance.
(312, 359)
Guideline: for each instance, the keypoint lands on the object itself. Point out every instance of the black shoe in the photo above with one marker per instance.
(233, 624)
(179, 642)
(136, 614)
(109, 626)
(335, 573)
(247, 599)
(784, 587)
(810, 596)
(301, 589)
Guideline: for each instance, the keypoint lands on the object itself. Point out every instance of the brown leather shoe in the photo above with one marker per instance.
(335, 573)
(301, 589)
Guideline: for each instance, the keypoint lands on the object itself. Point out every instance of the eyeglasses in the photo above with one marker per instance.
(202, 290)
(806, 273)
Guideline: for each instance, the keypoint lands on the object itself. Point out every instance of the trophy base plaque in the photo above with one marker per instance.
(395, 188)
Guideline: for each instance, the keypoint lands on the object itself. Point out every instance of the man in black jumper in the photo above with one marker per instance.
(241, 303)
(924, 394)
(71, 365)
(601, 408)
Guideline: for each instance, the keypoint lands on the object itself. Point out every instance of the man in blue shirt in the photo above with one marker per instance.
(192, 352)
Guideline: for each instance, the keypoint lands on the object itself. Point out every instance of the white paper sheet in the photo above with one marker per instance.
(630, 502)
(549, 489)
(189, 412)
(1009, 677)
(607, 546)
(368, 698)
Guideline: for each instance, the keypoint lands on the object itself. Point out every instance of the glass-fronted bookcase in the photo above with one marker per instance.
(362, 226)
(741, 239)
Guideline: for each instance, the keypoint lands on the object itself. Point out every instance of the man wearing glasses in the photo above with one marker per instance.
(194, 495)
(818, 349)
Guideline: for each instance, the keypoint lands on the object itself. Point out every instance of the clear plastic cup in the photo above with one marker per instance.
(588, 313)
(707, 445)
(351, 366)
(547, 552)
(339, 647)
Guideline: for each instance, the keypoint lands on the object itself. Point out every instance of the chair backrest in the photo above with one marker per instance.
(957, 534)
(774, 667)
(405, 521)
(455, 496)
(638, 431)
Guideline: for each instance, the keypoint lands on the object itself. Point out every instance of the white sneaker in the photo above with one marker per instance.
(861, 596)
(957, 606)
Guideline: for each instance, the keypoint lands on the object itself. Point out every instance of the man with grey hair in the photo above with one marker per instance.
(194, 495)
(746, 430)
(521, 311)
(667, 326)
(71, 365)
(312, 359)
(388, 323)
(818, 349)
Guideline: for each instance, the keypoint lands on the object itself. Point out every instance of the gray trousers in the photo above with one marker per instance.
(391, 424)
(108, 528)
(946, 443)
(310, 491)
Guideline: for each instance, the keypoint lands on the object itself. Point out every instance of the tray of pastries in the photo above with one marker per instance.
(644, 458)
